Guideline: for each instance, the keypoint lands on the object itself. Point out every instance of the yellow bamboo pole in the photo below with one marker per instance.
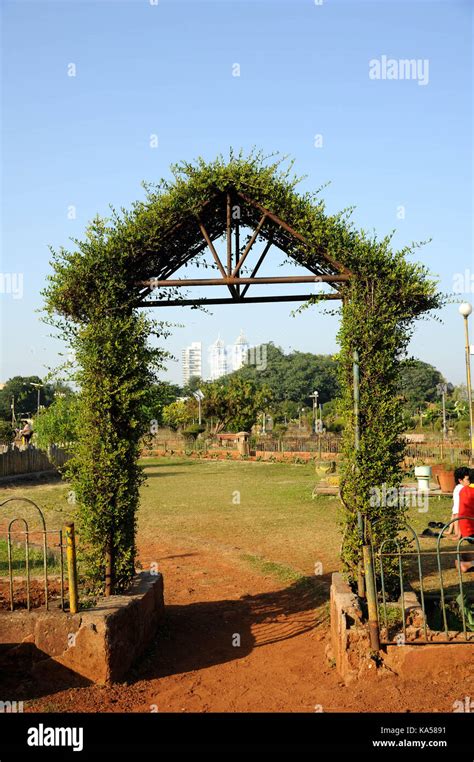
(71, 567)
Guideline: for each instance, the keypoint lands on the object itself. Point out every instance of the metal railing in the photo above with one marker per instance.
(412, 577)
(45, 549)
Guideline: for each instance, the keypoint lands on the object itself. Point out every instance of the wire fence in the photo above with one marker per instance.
(434, 595)
(36, 552)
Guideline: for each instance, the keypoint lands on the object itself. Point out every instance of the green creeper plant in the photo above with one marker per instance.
(92, 296)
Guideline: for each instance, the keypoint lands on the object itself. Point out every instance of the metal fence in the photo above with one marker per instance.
(440, 602)
(317, 444)
(25, 553)
(439, 451)
(436, 451)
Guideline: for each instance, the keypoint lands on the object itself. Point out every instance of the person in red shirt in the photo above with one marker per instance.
(466, 523)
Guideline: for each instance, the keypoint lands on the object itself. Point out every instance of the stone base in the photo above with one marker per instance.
(101, 643)
(350, 643)
(426, 661)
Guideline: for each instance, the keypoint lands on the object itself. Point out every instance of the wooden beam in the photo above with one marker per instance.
(260, 260)
(248, 300)
(229, 235)
(226, 281)
(189, 217)
(237, 247)
(293, 232)
(172, 269)
(242, 259)
(211, 246)
(215, 255)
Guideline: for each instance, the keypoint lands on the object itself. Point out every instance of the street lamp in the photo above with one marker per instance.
(465, 310)
(198, 394)
(442, 390)
(314, 396)
(301, 417)
(37, 386)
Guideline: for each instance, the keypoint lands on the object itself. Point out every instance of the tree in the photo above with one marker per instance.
(294, 376)
(158, 397)
(6, 433)
(58, 424)
(235, 403)
(26, 395)
(418, 384)
(178, 414)
(193, 384)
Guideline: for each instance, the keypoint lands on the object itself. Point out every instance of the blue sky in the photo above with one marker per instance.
(166, 69)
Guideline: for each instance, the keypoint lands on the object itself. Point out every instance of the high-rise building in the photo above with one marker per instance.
(192, 361)
(239, 352)
(217, 359)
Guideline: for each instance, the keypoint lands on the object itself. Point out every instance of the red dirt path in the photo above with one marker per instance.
(280, 665)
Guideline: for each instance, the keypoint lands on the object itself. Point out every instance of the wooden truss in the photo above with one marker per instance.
(228, 213)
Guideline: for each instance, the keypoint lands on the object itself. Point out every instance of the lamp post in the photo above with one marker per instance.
(314, 396)
(442, 390)
(198, 394)
(301, 417)
(465, 310)
(37, 386)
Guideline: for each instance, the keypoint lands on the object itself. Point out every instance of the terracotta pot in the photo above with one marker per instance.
(446, 480)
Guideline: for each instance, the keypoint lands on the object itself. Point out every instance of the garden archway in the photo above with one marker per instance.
(129, 261)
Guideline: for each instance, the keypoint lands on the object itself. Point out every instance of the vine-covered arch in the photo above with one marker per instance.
(130, 261)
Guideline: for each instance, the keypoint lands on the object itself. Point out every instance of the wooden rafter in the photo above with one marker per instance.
(215, 218)
(226, 281)
(215, 255)
(229, 233)
(246, 251)
(259, 262)
(291, 230)
(240, 300)
(237, 248)
(212, 248)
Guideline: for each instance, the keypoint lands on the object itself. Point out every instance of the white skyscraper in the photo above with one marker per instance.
(239, 352)
(192, 361)
(217, 359)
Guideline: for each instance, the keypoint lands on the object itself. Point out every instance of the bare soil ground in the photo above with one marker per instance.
(196, 664)
(37, 593)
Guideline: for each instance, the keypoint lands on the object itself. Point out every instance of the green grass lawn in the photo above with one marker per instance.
(264, 512)
(35, 556)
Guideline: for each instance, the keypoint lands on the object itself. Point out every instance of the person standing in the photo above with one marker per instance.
(466, 523)
(26, 433)
(461, 477)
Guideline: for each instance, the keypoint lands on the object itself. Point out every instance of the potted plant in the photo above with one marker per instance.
(444, 472)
